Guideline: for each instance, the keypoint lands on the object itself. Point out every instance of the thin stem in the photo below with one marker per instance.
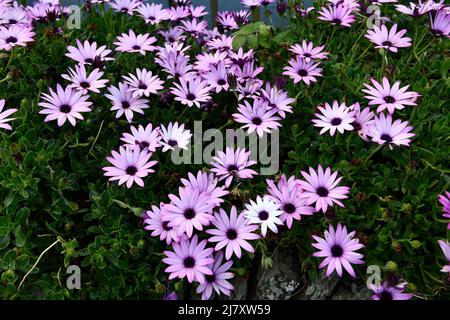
(374, 151)
(96, 137)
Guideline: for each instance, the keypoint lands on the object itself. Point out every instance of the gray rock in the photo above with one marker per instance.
(320, 289)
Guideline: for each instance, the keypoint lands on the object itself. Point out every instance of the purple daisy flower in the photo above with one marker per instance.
(339, 117)
(224, 43)
(338, 248)
(257, 117)
(124, 102)
(15, 35)
(4, 116)
(206, 183)
(321, 188)
(444, 199)
(175, 136)
(248, 72)
(190, 210)
(130, 165)
(249, 90)
(440, 23)
(189, 259)
(300, 70)
(384, 131)
(418, 9)
(252, 4)
(192, 91)
(301, 11)
(308, 52)
(144, 138)
(173, 35)
(218, 280)
(241, 57)
(143, 83)
(64, 104)
(194, 27)
(154, 223)
(386, 292)
(233, 163)
(226, 21)
(388, 39)
(390, 98)
(217, 77)
(232, 232)
(135, 43)
(125, 6)
(152, 13)
(289, 200)
(87, 53)
(337, 15)
(264, 212)
(197, 11)
(363, 120)
(178, 13)
(277, 99)
(205, 61)
(83, 82)
(445, 247)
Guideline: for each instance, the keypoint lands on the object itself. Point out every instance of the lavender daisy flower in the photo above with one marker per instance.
(189, 259)
(176, 14)
(135, 43)
(14, 15)
(338, 248)
(418, 9)
(445, 247)
(249, 90)
(197, 11)
(143, 83)
(388, 39)
(173, 35)
(226, 21)
(248, 72)
(308, 52)
(339, 117)
(224, 43)
(257, 117)
(147, 138)
(206, 183)
(217, 77)
(205, 61)
(252, 4)
(190, 210)
(64, 104)
(337, 15)
(390, 98)
(242, 17)
(232, 232)
(154, 223)
(440, 23)
(191, 92)
(194, 27)
(218, 280)
(363, 120)
(301, 11)
(241, 58)
(15, 35)
(233, 163)
(321, 188)
(288, 198)
(300, 70)
(152, 13)
(87, 53)
(130, 165)
(4, 116)
(277, 99)
(264, 212)
(124, 102)
(84, 82)
(386, 292)
(444, 199)
(384, 131)
(174, 136)
(125, 6)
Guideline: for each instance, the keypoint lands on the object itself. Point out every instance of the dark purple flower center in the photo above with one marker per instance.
(357, 126)
(263, 215)
(125, 104)
(144, 144)
(131, 170)
(142, 86)
(232, 167)
(386, 137)
(65, 108)
(289, 208)
(190, 96)
(189, 213)
(307, 55)
(165, 226)
(336, 21)
(12, 21)
(256, 121)
(336, 251)
(302, 73)
(151, 18)
(136, 47)
(389, 99)
(11, 40)
(221, 82)
(84, 84)
(437, 32)
(385, 295)
(172, 143)
(124, 10)
(231, 234)
(210, 278)
(189, 262)
(322, 191)
(386, 44)
(336, 121)
(89, 60)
